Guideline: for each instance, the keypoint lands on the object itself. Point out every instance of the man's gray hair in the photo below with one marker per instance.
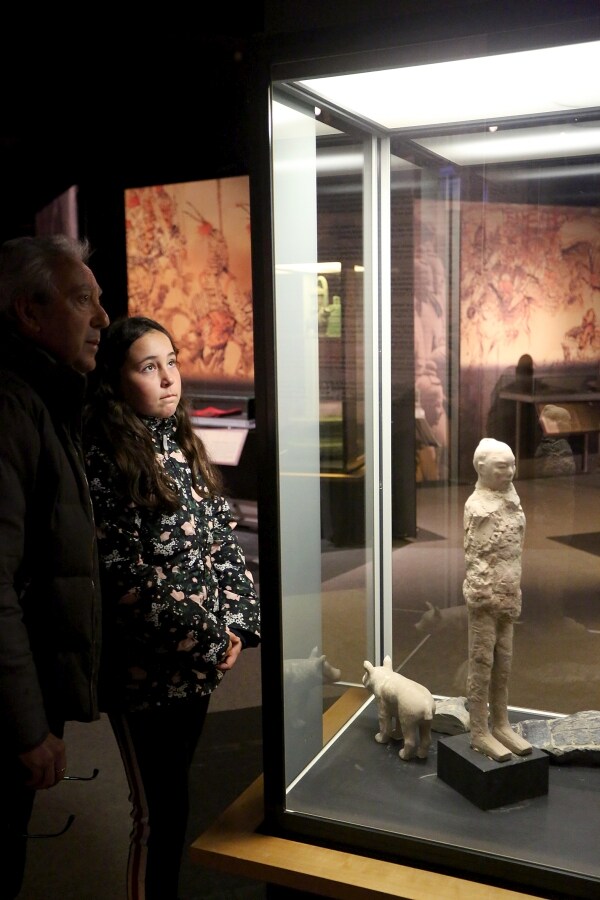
(28, 266)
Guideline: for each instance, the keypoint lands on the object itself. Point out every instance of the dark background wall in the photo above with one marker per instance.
(135, 110)
(109, 105)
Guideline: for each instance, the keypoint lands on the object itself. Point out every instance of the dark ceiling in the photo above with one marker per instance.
(129, 110)
(164, 100)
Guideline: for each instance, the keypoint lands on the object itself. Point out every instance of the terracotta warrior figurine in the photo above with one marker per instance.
(494, 530)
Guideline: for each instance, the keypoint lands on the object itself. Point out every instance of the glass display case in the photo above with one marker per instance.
(426, 231)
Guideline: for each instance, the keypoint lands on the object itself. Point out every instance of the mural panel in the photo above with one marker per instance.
(530, 283)
(189, 267)
(529, 315)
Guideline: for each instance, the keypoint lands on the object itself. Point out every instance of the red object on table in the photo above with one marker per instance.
(213, 412)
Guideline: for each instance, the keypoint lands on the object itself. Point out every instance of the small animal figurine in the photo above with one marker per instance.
(304, 677)
(315, 669)
(436, 619)
(406, 701)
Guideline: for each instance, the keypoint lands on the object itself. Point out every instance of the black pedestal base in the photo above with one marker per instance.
(487, 783)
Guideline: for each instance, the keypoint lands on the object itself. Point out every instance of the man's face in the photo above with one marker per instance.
(497, 471)
(69, 326)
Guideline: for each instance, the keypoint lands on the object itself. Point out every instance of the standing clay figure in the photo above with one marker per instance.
(406, 701)
(494, 531)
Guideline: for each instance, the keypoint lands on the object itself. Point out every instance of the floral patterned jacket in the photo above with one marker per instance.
(171, 584)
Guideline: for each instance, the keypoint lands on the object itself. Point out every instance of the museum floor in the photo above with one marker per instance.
(555, 669)
(88, 861)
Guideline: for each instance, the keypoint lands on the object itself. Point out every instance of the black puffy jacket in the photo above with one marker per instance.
(50, 616)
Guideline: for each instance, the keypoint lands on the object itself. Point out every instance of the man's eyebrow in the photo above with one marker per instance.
(85, 287)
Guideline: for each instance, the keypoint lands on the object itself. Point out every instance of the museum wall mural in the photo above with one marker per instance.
(530, 283)
(529, 304)
(189, 267)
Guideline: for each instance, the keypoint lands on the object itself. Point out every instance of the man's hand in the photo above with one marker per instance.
(47, 763)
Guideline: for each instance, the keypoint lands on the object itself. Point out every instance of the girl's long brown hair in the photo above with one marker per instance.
(112, 423)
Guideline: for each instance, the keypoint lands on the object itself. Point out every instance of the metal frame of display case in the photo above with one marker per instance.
(284, 62)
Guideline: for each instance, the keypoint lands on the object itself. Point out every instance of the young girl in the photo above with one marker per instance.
(179, 602)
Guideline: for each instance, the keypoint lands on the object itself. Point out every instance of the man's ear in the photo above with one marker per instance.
(27, 315)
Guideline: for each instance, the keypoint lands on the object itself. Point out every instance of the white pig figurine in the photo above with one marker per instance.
(406, 701)
(436, 619)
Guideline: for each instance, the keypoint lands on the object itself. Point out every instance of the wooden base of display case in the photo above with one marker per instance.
(489, 784)
(235, 845)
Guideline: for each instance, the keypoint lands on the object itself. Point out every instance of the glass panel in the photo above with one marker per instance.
(494, 303)
(505, 268)
(321, 359)
(494, 331)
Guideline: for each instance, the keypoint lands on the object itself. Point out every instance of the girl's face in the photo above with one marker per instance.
(150, 379)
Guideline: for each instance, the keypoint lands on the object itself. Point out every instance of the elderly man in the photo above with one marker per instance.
(50, 324)
(494, 529)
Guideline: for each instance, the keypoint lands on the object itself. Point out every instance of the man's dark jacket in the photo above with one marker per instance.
(49, 596)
